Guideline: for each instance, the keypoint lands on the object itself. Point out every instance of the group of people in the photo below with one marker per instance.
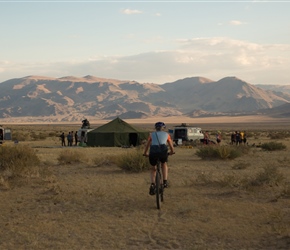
(71, 138)
(238, 137)
(206, 138)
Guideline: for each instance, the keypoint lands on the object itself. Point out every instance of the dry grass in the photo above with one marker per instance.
(94, 204)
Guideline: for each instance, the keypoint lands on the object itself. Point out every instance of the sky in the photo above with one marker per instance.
(146, 41)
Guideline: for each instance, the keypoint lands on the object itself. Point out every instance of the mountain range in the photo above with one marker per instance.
(73, 98)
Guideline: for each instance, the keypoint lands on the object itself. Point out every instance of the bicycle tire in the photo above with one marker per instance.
(158, 190)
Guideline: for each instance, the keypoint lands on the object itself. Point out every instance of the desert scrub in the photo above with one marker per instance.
(220, 152)
(133, 161)
(20, 136)
(279, 135)
(70, 157)
(101, 161)
(272, 146)
(270, 175)
(38, 136)
(18, 160)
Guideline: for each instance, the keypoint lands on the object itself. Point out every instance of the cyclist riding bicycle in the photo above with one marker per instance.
(158, 150)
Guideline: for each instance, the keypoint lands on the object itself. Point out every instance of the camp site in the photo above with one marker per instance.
(96, 196)
(116, 133)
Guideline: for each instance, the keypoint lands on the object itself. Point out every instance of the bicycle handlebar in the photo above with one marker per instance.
(167, 154)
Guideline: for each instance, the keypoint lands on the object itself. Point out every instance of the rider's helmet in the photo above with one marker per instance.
(160, 125)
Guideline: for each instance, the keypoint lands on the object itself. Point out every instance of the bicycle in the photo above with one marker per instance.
(159, 187)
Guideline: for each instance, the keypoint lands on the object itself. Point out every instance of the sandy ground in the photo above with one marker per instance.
(85, 206)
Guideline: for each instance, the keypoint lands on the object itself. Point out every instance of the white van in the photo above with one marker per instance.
(5, 134)
(182, 133)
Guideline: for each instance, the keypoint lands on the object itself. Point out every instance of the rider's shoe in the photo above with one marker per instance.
(152, 189)
(165, 184)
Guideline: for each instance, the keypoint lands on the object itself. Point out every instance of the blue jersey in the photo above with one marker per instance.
(161, 136)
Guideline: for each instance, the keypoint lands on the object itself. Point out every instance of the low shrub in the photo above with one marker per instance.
(272, 146)
(133, 161)
(101, 161)
(20, 136)
(269, 176)
(279, 135)
(204, 178)
(220, 152)
(231, 180)
(70, 157)
(18, 160)
(38, 137)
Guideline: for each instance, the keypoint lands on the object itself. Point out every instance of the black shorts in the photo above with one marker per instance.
(153, 158)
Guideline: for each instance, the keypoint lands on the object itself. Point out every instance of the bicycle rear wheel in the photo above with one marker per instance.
(159, 195)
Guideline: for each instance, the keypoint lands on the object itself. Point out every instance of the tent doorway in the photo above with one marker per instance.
(133, 139)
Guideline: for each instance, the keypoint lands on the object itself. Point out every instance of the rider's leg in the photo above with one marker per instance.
(153, 174)
(164, 170)
(164, 173)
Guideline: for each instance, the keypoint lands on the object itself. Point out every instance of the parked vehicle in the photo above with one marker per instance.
(184, 132)
(5, 134)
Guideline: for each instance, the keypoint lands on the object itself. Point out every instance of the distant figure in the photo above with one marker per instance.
(76, 138)
(62, 137)
(245, 138)
(86, 123)
(206, 138)
(233, 138)
(218, 137)
(238, 138)
(69, 138)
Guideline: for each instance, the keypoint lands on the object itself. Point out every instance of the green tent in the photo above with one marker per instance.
(116, 133)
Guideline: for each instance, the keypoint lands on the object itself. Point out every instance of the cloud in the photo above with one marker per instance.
(213, 58)
(130, 12)
(236, 22)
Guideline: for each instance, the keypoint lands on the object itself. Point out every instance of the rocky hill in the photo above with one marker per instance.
(72, 98)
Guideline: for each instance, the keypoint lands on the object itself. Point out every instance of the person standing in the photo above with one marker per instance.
(233, 138)
(238, 138)
(76, 138)
(218, 137)
(72, 138)
(206, 138)
(245, 138)
(159, 138)
(62, 137)
(68, 139)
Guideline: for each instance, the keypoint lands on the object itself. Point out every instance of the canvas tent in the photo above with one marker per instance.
(116, 133)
